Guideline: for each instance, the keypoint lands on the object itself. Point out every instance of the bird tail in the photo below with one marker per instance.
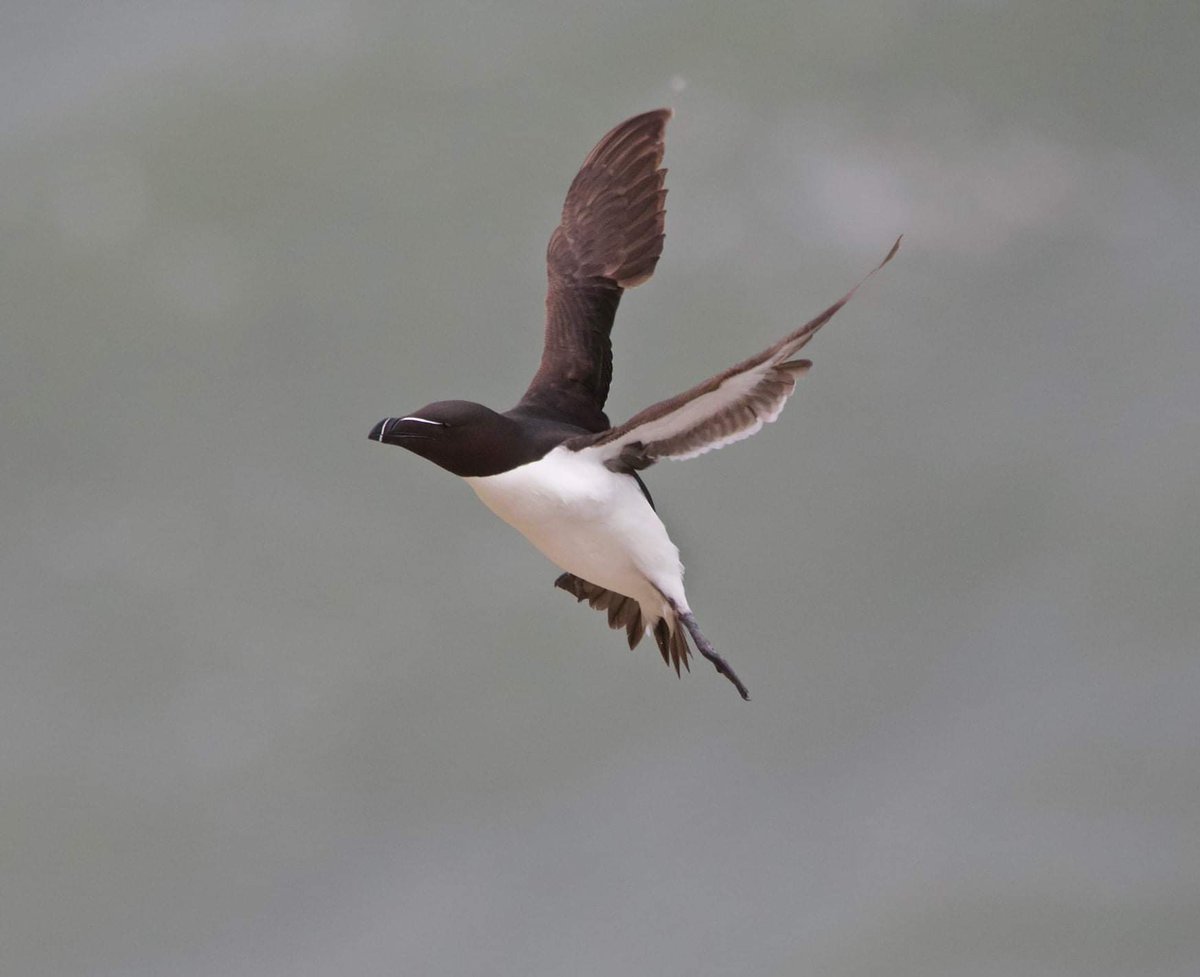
(625, 612)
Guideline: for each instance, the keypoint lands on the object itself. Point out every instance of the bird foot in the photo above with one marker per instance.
(704, 646)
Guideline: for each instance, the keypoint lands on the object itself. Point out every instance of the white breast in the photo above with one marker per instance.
(590, 521)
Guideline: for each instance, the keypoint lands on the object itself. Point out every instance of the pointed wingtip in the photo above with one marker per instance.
(833, 309)
(661, 115)
(891, 254)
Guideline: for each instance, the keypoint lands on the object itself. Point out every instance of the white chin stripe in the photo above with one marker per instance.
(421, 420)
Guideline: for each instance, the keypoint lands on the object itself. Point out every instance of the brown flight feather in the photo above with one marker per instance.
(728, 407)
(610, 238)
(625, 612)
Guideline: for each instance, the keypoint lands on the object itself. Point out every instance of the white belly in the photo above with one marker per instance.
(591, 522)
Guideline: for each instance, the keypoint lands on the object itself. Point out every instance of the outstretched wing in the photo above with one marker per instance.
(610, 239)
(723, 409)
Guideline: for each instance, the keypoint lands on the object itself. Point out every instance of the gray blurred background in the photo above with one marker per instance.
(278, 701)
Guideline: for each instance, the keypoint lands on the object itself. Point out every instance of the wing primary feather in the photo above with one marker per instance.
(610, 238)
(726, 408)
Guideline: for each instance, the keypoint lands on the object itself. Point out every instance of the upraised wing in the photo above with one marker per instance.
(723, 409)
(610, 239)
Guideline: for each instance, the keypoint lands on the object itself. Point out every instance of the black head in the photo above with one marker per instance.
(464, 438)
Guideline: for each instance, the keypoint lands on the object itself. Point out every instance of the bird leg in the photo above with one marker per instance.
(708, 651)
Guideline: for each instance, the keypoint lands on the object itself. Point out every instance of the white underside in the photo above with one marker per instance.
(593, 523)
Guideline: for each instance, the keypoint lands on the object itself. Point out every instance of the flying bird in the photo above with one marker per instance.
(553, 466)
